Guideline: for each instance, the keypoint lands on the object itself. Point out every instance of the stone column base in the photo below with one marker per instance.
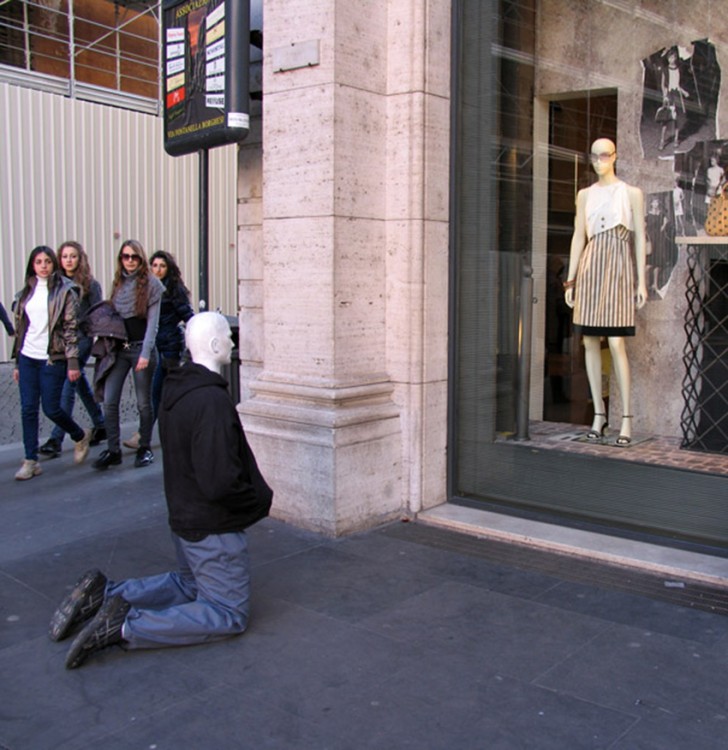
(332, 454)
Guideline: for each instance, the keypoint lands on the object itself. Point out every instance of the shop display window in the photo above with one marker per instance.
(536, 85)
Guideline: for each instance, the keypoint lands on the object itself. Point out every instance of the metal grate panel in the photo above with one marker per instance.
(704, 419)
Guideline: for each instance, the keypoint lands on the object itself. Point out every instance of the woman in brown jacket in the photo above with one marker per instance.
(46, 352)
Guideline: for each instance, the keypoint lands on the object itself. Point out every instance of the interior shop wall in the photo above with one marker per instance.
(596, 47)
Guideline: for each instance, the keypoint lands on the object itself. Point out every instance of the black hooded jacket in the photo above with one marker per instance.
(211, 480)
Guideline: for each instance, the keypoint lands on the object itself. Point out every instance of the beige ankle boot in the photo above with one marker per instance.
(28, 469)
(132, 442)
(80, 450)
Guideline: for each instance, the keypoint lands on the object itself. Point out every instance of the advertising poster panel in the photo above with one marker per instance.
(205, 59)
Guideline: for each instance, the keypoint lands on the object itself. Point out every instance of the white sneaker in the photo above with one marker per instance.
(28, 469)
(80, 449)
(132, 442)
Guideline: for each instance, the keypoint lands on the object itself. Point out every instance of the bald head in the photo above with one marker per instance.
(603, 145)
(207, 336)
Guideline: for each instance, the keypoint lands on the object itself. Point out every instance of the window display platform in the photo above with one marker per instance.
(645, 449)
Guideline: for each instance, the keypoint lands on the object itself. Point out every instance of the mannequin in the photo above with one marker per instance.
(208, 338)
(214, 492)
(600, 287)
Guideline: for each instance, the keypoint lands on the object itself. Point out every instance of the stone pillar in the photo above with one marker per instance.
(321, 416)
(250, 253)
(418, 182)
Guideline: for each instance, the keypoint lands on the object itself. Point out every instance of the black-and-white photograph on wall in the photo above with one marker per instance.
(661, 223)
(680, 99)
(701, 172)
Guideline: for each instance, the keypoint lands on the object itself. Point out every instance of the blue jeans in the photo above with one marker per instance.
(168, 360)
(68, 396)
(206, 599)
(126, 360)
(41, 383)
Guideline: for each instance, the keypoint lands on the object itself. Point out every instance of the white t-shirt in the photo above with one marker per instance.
(35, 344)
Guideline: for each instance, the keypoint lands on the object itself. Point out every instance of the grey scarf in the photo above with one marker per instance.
(125, 297)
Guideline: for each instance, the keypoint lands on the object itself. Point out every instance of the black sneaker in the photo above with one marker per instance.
(51, 448)
(144, 457)
(106, 459)
(104, 630)
(98, 435)
(80, 605)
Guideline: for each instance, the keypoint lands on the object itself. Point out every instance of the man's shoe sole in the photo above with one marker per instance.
(81, 604)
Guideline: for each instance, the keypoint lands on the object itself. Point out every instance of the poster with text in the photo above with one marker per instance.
(205, 48)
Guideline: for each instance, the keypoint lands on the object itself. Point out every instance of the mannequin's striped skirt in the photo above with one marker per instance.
(604, 295)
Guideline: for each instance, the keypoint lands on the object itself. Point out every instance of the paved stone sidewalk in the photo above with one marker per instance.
(395, 638)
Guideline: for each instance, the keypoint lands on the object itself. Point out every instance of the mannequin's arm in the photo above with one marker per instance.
(637, 202)
(578, 242)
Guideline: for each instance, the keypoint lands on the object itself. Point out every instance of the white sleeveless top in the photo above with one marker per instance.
(607, 206)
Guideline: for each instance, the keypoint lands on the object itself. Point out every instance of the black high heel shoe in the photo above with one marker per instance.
(593, 434)
(624, 440)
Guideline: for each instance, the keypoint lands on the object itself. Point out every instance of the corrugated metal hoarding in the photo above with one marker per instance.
(99, 174)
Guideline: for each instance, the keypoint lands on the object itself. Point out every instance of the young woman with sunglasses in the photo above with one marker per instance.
(74, 265)
(175, 309)
(136, 296)
(46, 352)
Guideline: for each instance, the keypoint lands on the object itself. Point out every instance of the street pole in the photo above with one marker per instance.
(204, 237)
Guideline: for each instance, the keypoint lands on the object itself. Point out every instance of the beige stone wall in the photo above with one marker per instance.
(593, 46)
(343, 260)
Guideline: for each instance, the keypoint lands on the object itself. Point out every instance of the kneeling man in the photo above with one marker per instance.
(214, 491)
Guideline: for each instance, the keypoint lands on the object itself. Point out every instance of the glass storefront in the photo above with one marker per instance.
(535, 84)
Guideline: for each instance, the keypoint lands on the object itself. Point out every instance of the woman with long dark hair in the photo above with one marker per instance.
(75, 266)
(175, 309)
(136, 296)
(46, 353)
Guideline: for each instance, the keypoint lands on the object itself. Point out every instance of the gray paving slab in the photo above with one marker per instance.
(668, 733)
(448, 565)
(633, 669)
(378, 640)
(637, 611)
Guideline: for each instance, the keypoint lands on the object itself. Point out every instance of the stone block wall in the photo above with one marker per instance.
(343, 236)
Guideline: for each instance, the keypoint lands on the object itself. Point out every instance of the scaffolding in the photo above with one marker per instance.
(110, 47)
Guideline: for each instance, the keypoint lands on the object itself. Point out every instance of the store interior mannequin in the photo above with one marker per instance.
(600, 286)
(208, 339)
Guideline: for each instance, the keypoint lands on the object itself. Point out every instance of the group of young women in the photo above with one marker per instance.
(54, 338)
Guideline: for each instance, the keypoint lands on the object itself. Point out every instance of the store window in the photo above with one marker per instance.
(536, 84)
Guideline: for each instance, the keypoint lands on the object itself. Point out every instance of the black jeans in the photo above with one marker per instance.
(126, 360)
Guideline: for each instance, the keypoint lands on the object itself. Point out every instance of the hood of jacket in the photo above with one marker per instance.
(187, 379)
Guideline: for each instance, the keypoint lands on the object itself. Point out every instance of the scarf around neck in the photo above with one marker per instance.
(125, 296)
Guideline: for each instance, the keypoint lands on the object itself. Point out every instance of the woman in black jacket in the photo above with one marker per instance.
(175, 309)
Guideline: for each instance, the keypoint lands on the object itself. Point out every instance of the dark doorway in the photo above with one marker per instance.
(574, 124)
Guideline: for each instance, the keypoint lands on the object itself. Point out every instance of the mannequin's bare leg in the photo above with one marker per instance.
(624, 383)
(593, 361)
